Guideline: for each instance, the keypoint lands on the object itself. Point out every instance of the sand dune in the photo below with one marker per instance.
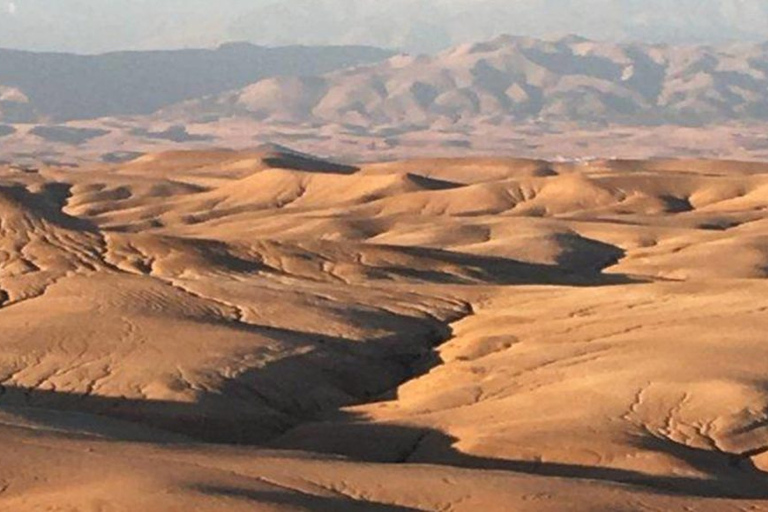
(268, 330)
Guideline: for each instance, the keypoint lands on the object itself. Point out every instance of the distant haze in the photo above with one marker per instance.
(93, 26)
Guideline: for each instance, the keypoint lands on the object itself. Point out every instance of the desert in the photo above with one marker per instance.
(353, 255)
(268, 330)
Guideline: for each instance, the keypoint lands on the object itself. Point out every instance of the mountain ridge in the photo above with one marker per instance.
(573, 79)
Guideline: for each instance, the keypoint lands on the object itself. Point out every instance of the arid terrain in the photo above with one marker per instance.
(267, 330)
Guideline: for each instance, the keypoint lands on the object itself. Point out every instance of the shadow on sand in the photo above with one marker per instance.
(728, 476)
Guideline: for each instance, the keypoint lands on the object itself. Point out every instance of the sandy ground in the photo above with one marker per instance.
(264, 330)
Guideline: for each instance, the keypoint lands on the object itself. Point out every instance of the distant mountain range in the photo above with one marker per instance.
(571, 79)
(570, 96)
(57, 87)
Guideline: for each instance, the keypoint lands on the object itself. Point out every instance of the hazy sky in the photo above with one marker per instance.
(90, 26)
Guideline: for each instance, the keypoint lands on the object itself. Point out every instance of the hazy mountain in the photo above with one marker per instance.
(519, 78)
(411, 25)
(60, 87)
(428, 25)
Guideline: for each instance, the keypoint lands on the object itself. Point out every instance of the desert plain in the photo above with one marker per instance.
(269, 330)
